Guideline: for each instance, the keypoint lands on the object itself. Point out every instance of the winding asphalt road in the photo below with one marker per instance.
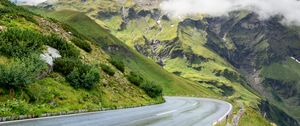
(177, 111)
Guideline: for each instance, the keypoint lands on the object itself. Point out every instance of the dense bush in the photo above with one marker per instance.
(65, 49)
(151, 89)
(66, 65)
(77, 73)
(21, 72)
(135, 79)
(118, 64)
(11, 11)
(230, 75)
(107, 69)
(19, 43)
(7, 10)
(84, 76)
(82, 44)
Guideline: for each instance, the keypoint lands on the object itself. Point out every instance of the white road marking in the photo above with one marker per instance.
(295, 59)
(164, 113)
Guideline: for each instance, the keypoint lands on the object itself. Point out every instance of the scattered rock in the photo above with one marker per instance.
(2, 28)
(50, 55)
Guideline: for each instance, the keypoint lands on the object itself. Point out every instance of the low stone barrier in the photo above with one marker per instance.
(30, 116)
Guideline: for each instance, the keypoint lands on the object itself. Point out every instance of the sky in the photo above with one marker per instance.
(289, 9)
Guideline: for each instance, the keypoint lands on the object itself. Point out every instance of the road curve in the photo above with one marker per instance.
(177, 111)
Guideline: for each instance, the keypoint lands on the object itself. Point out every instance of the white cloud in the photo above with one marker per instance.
(30, 2)
(290, 9)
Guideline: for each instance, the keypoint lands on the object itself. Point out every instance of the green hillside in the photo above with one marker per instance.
(284, 77)
(203, 83)
(232, 57)
(84, 78)
(172, 84)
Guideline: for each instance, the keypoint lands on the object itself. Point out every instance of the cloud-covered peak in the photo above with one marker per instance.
(289, 9)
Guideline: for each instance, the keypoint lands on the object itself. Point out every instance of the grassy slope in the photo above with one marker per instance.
(54, 94)
(131, 35)
(172, 84)
(207, 73)
(287, 71)
(195, 40)
(195, 43)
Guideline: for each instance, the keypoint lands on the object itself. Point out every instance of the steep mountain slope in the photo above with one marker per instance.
(133, 60)
(266, 51)
(223, 54)
(31, 86)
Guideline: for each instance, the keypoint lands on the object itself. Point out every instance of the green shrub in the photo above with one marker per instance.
(151, 89)
(19, 43)
(230, 75)
(135, 79)
(21, 72)
(78, 74)
(66, 65)
(6, 3)
(84, 76)
(14, 107)
(42, 91)
(66, 49)
(11, 11)
(107, 69)
(82, 44)
(118, 64)
(6, 10)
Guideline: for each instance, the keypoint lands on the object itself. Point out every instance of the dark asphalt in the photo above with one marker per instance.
(177, 111)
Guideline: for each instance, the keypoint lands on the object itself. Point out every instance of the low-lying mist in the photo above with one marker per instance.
(29, 2)
(289, 9)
